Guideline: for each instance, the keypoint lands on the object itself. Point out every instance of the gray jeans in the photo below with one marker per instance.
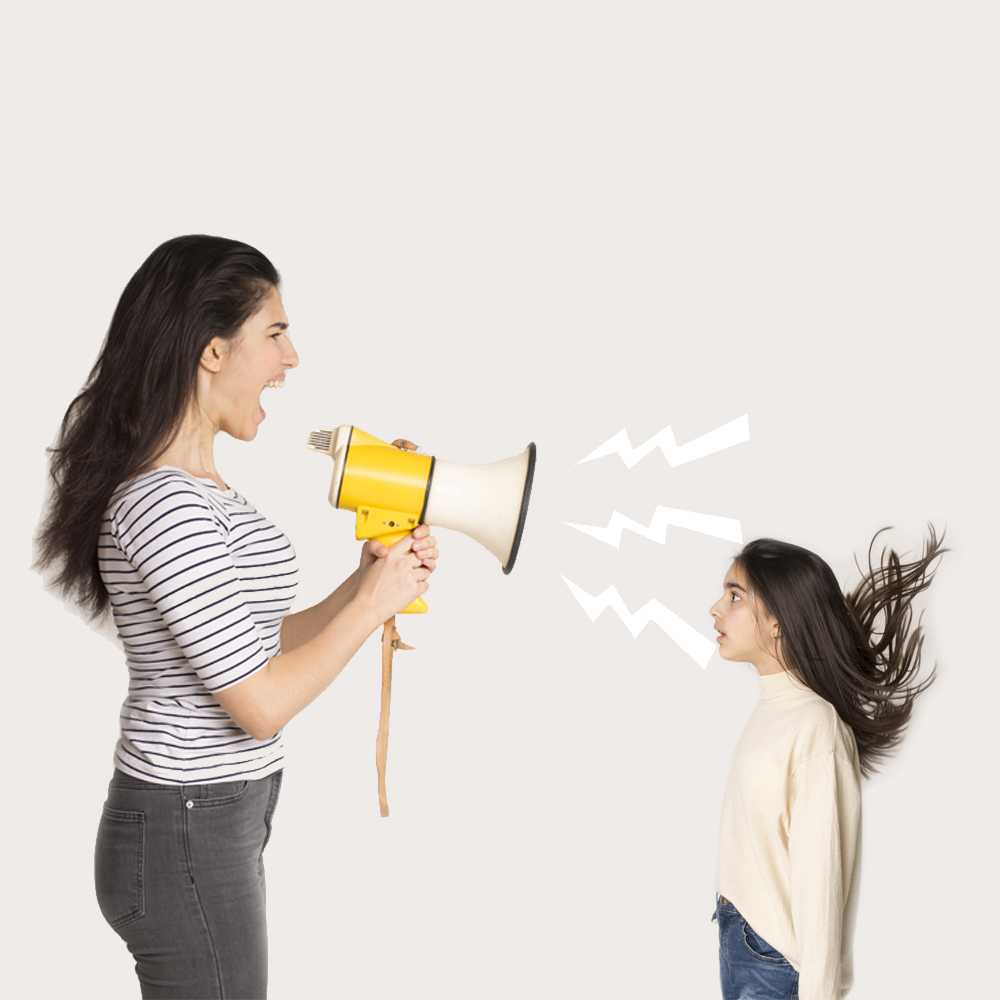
(179, 873)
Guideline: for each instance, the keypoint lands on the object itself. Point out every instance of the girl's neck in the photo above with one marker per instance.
(772, 666)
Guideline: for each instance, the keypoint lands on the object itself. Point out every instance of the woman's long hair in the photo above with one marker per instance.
(861, 652)
(188, 291)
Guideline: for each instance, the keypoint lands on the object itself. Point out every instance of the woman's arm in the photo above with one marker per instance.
(305, 625)
(264, 702)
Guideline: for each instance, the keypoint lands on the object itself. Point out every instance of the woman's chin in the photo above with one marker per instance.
(244, 433)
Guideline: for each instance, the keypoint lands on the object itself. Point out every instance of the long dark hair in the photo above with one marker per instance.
(188, 291)
(861, 652)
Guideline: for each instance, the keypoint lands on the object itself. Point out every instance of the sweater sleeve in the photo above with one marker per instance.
(825, 810)
(176, 541)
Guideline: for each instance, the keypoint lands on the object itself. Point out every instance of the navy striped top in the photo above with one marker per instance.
(199, 583)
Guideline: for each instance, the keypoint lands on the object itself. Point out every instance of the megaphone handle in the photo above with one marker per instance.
(382, 740)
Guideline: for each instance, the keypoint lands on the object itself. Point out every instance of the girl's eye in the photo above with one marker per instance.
(736, 596)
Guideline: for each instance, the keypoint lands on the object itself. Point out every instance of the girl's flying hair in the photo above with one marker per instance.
(861, 652)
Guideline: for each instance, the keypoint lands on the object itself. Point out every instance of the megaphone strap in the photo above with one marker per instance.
(389, 633)
(390, 643)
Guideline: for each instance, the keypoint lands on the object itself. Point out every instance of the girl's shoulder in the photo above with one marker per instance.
(820, 729)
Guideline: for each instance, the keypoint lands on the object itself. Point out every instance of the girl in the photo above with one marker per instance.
(837, 689)
(200, 586)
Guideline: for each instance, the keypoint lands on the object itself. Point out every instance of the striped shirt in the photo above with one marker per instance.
(199, 583)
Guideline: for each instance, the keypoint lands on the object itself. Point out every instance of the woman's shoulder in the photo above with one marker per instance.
(160, 491)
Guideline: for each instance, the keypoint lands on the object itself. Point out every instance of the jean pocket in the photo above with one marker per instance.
(760, 949)
(119, 866)
(222, 794)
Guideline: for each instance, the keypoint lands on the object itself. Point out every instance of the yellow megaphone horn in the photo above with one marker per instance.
(393, 490)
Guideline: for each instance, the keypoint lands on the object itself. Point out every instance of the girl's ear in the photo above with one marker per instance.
(773, 628)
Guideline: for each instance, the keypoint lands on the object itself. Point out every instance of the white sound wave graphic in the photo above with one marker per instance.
(689, 639)
(706, 524)
(735, 432)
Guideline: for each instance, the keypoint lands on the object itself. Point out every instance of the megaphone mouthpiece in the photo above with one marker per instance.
(321, 441)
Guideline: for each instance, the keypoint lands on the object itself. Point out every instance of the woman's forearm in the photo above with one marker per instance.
(302, 626)
(320, 641)
(267, 700)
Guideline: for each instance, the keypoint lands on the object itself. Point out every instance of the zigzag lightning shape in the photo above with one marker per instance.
(689, 639)
(735, 432)
(706, 524)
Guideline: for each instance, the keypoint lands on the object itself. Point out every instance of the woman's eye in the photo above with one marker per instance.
(736, 596)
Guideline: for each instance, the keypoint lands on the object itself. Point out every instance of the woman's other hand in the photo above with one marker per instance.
(393, 579)
(423, 544)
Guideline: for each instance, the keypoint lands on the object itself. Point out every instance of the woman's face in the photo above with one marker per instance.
(257, 357)
(743, 636)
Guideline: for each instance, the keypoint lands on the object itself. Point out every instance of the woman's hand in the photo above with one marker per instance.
(372, 549)
(390, 578)
(423, 544)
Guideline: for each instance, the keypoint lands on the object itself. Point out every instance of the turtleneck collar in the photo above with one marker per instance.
(778, 685)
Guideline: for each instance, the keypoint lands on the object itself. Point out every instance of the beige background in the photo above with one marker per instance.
(509, 222)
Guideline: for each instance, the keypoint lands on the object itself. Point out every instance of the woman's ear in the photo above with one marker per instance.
(214, 354)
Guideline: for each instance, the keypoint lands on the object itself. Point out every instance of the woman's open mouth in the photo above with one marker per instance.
(274, 383)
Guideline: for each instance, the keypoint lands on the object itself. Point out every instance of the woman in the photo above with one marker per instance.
(836, 676)
(200, 586)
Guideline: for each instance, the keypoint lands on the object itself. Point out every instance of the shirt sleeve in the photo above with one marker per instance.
(825, 813)
(176, 541)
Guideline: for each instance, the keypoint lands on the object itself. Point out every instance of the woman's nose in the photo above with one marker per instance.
(291, 357)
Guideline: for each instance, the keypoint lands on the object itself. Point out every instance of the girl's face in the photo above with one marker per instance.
(258, 356)
(743, 636)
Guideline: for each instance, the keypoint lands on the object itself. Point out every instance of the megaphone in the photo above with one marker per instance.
(393, 490)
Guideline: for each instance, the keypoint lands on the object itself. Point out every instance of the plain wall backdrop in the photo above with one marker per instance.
(541, 221)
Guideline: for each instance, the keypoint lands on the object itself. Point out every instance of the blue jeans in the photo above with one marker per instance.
(748, 965)
(179, 873)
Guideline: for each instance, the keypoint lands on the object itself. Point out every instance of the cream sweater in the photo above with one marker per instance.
(789, 844)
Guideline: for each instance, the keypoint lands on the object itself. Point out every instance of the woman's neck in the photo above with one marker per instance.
(192, 449)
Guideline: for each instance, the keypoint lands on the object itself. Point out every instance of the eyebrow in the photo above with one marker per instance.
(280, 326)
(736, 586)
